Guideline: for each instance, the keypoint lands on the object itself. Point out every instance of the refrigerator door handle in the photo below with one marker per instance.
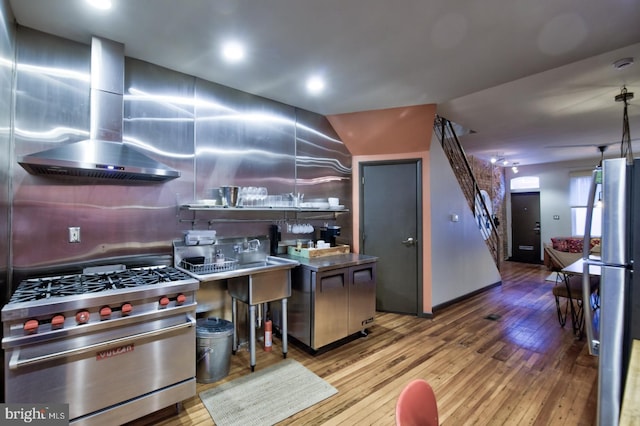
(612, 326)
(592, 339)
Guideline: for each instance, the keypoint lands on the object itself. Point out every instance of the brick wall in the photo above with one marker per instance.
(491, 178)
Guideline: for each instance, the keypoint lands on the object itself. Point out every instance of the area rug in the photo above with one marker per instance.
(267, 396)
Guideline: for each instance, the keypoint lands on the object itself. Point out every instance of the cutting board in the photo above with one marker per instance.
(318, 252)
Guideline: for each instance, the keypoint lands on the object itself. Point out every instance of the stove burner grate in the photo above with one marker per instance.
(34, 289)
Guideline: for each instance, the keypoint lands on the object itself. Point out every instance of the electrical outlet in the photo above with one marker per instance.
(74, 234)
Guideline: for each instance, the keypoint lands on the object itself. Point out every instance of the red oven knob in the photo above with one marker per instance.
(82, 317)
(181, 299)
(164, 301)
(31, 326)
(126, 309)
(57, 321)
(105, 312)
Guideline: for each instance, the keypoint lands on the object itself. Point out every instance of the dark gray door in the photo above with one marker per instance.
(390, 229)
(525, 227)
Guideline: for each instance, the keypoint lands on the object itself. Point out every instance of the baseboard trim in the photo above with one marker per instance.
(464, 297)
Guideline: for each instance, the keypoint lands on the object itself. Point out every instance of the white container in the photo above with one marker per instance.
(199, 238)
(333, 202)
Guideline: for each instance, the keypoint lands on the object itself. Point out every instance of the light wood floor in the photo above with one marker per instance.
(522, 368)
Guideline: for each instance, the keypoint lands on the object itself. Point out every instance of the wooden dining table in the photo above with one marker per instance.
(577, 267)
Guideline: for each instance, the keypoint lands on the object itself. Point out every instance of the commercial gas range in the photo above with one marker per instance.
(114, 343)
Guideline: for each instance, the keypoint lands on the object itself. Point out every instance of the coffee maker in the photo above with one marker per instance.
(329, 234)
(274, 239)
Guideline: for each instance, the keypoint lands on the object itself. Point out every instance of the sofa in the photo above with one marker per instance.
(566, 250)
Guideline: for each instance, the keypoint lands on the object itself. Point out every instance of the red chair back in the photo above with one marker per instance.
(417, 405)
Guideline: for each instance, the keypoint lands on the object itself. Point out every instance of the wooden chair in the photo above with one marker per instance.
(416, 405)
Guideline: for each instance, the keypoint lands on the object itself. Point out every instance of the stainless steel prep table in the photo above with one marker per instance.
(332, 298)
(320, 264)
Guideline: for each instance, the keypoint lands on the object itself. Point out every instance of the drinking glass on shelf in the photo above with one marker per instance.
(261, 195)
(242, 196)
(253, 194)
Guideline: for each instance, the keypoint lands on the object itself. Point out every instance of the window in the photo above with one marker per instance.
(580, 183)
(525, 182)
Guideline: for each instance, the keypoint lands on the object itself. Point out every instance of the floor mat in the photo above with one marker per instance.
(267, 396)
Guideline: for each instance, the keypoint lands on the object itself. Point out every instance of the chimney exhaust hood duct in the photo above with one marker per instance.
(103, 156)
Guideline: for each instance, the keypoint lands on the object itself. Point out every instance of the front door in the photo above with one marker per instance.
(525, 227)
(390, 229)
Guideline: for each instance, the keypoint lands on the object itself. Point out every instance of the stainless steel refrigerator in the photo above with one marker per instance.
(612, 315)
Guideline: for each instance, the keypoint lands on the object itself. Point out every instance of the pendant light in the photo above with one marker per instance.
(602, 149)
(625, 145)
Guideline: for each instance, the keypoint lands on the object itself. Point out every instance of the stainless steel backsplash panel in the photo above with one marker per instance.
(212, 134)
(323, 165)
(242, 140)
(7, 55)
(7, 39)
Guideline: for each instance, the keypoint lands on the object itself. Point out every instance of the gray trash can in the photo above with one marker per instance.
(214, 339)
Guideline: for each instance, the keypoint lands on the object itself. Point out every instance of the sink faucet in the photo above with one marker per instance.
(251, 245)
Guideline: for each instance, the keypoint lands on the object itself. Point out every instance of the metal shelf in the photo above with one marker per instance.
(235, 213)
(195, 207)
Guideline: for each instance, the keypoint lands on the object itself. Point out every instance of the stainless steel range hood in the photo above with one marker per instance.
(104, 156)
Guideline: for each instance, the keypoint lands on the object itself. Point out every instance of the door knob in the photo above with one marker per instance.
(409, 241)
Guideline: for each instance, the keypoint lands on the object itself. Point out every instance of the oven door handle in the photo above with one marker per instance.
(15, 362)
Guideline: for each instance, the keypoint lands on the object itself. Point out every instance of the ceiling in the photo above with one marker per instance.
(533, 79)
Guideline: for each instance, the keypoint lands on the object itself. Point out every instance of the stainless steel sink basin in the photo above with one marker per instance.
(260, 282)
(271, 263)
(242, 256)
(261, 287)
(263, 281)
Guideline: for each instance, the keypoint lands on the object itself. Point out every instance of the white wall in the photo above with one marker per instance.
(554, 196)
(461, 262)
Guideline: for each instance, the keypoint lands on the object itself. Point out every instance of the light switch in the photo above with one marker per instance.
(74, 234)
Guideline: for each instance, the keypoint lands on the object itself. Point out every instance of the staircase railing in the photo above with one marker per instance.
(469, 185)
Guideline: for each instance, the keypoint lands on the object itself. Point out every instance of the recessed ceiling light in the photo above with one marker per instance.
(100, 4)
(233, 51)
(315, 85)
